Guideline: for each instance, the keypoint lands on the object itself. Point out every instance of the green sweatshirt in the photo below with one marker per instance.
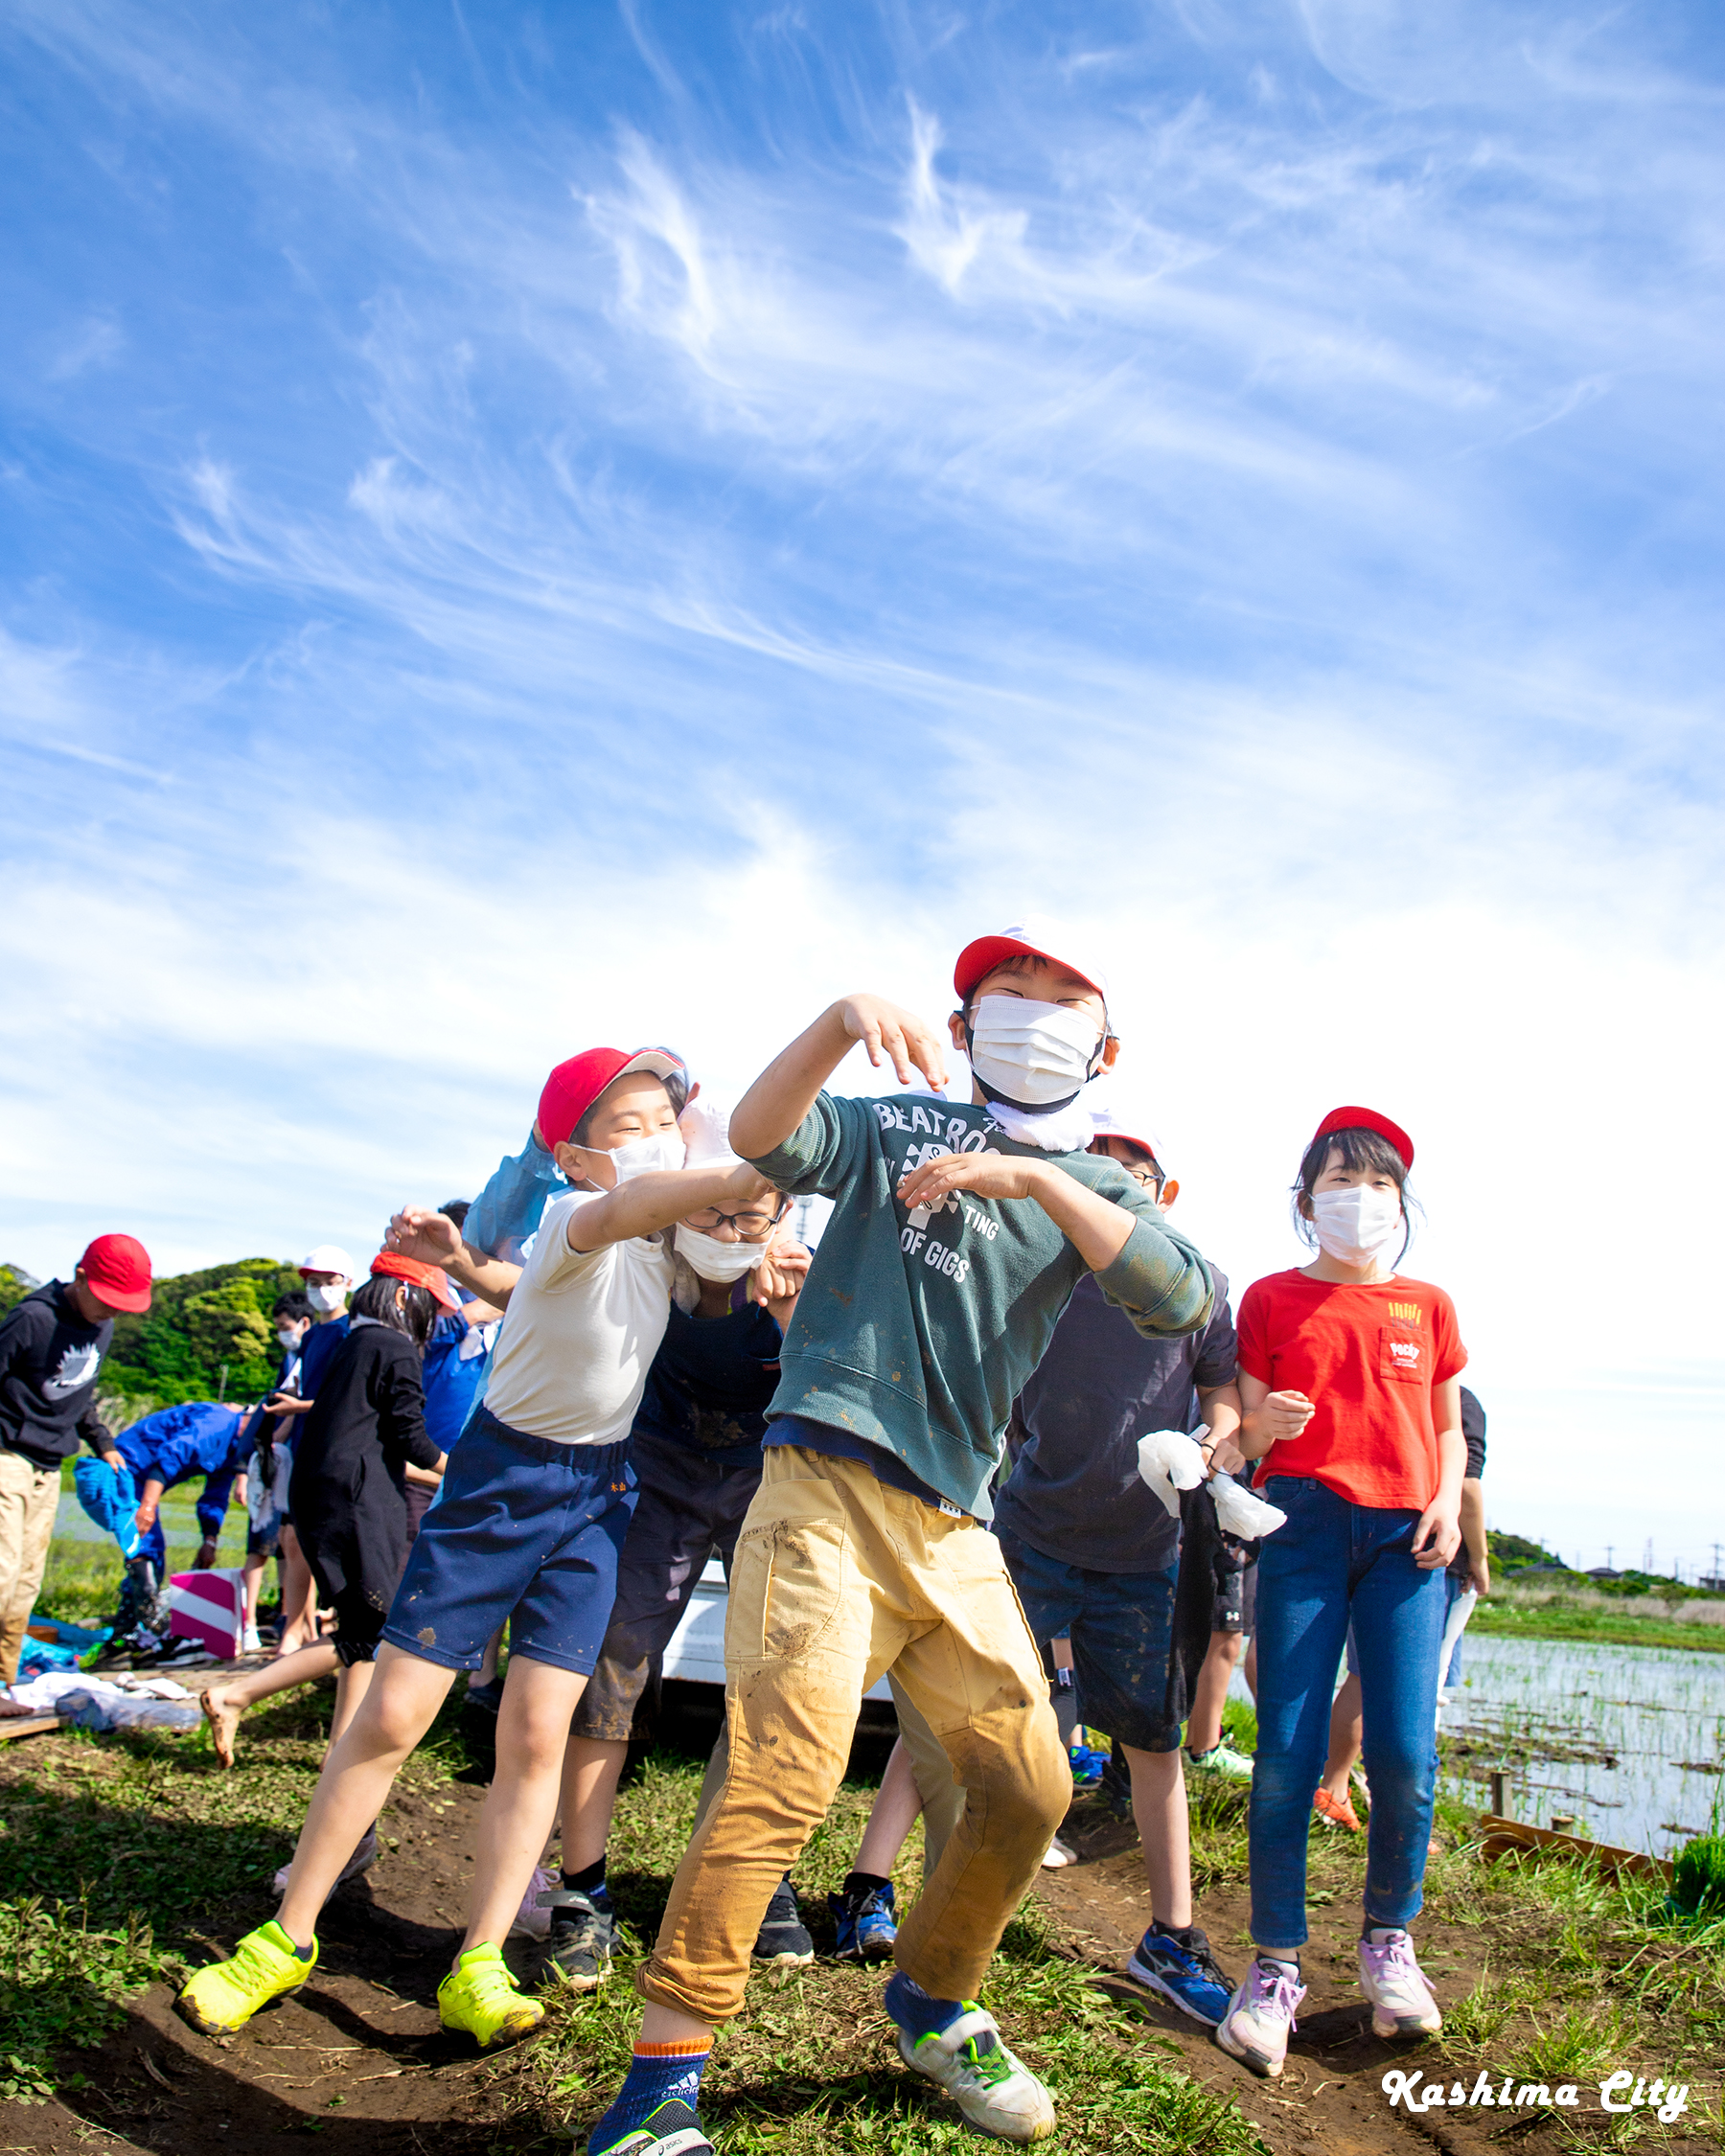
(916, 1330)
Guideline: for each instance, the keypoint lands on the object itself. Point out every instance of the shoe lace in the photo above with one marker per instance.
(1279, 1993)
(1396, 1960)
(491, 1982)
(256, 1960)
(989, 2059)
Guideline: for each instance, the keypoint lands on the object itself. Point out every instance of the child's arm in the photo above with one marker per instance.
(1097, 1228)
(1439, 1534)
(785, 1092)
(1473, 1534)
(1219, 1406)
(1268, 1416)
(648, 1202)
(416, 1231)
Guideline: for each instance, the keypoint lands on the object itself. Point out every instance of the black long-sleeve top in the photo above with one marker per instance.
(348, 1495)
(49, 1361)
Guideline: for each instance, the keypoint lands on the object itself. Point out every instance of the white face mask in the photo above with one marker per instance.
(1035, 1054)
(648, 1156)
(288, 1337)
(1354, 1225)
(330, 1297)
(715, 1260)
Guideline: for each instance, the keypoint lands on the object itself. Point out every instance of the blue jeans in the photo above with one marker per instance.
(1336, 1562)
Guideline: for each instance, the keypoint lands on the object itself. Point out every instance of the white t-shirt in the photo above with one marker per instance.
(580, 1333)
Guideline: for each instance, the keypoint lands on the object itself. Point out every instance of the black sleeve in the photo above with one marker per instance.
(1218, 1360)
(94, 1432)
(1472, 1434)
(21, 1329)
(402, 1405)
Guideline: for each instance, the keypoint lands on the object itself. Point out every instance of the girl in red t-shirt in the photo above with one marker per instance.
(1349, 1378)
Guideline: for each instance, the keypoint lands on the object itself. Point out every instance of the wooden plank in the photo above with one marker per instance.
(1508, 1837)
(27, 1725)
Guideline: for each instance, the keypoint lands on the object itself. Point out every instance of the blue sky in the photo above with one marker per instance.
(526, 526)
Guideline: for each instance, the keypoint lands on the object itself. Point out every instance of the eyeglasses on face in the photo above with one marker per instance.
(750, 1227)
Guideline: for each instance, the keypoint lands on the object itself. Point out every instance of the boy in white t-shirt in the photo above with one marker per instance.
(535, 1506)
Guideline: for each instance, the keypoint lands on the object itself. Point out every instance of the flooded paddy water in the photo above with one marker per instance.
(1628, 1741)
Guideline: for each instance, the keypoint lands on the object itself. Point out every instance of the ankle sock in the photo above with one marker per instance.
(590, 1880)
(1287, 1963)
(283, 1941)
(859, 1885)
(659, 2074)
(1188, 1936)
(916, 2014)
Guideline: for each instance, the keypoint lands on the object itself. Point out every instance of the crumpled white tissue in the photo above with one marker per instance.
(1239, 1513)
(1169, 1461)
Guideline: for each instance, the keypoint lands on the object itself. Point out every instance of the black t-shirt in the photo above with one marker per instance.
(1473, 1431)
(1075, 1491)
(49, 1361)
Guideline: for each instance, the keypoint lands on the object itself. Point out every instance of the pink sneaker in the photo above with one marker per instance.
(1402, 2003)
(1259, 2018)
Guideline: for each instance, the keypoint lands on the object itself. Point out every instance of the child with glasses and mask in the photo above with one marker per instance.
(535, 1507)
(695, 1454)
(959, 1232)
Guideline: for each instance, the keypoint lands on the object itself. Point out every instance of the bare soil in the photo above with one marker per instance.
(357, 2059)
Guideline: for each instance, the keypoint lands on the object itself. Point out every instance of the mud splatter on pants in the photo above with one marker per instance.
(836, 1579)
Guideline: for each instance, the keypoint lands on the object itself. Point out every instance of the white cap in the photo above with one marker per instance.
(706, 1127)
(328, 1257)
(1114, 1115)
(1029, 939)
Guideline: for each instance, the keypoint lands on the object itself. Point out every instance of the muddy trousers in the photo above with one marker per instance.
(837, 1579)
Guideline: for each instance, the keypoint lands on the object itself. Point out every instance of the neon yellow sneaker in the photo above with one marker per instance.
(224, 1997)
(479, 1995)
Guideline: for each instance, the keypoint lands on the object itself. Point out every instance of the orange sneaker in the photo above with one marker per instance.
(1337, 1811)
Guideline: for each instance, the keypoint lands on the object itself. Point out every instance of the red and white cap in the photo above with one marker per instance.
(328, 1257)
(573, 1087)
(1366, 1119)
(393, 1266)
(1116, 1117)
(116, 1271)
(1029, 939)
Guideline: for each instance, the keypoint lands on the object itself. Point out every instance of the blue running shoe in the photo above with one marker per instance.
(1087, 1765)
(866, 1924)
(1187, 1977)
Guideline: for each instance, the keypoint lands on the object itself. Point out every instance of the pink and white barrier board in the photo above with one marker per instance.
(210, 1608)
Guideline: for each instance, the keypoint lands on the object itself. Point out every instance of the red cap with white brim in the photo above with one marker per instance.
(1031, 939)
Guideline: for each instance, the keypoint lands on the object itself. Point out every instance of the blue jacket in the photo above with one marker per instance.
(199, 1437)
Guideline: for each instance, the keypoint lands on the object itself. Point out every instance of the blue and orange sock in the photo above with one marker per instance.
(658, 2075)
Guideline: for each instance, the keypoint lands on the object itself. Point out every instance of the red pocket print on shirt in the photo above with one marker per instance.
(1401, 1353)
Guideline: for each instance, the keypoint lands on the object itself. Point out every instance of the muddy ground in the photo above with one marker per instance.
(357, 2059)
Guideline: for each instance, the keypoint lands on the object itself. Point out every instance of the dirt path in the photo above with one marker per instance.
(358, 2058)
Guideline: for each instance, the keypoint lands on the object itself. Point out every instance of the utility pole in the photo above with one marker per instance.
(1608, 1563)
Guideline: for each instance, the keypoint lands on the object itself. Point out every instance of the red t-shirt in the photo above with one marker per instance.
(1366, 1357)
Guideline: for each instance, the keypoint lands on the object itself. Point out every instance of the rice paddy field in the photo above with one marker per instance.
(1627, 1742)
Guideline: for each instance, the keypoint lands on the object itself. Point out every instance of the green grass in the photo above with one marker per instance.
(1562, 1616)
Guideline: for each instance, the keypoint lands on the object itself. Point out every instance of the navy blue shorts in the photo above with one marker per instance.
(1121, 1627)
(526, 1532)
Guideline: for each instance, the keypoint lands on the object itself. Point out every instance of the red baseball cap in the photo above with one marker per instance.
(393, 1266)
(573, 1087)
(116, 1269)
(1033, 939)
(1366, 1119)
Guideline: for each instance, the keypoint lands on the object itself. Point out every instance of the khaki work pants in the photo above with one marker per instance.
(836, 1579)
(29, 1497)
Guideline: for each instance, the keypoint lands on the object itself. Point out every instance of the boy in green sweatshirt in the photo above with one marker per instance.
(957, 1235)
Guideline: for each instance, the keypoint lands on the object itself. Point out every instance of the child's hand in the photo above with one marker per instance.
(417, 1232)
(1284, 1416)
(781, 1273)
(1439, 1534)
(743, 1183)
(989, 1175)
(1226, 1457)
(900, 1034)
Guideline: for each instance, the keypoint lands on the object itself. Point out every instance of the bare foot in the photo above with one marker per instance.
(291, 1642)
(223, 1721)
